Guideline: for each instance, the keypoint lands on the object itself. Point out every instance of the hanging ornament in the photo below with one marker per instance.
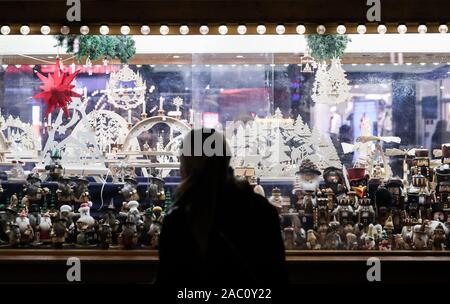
(331, 86)
(126, 89)
(307, 63)
(57, 89)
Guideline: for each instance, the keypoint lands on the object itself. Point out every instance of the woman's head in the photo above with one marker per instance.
(204, 151)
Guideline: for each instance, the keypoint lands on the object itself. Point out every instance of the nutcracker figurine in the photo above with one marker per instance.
(365, 212)
(344, 212)
(421, 163)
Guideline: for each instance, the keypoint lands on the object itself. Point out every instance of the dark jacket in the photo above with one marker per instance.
(245, 244)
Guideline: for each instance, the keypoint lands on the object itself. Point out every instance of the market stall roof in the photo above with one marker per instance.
(138, 12)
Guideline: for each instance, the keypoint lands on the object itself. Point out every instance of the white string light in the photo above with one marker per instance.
(223, 29)
(84, 30)
(184, 30)
(164, 30)
(5, 30)
(280, 29)
(261, 29)
(300, 29)
(104, 30)
(341, 29)
(204, 29)
(24, 29)
(242, 29)
(321, 29)
(125, 29)
(145, 30)
(382, 29)
(361, 29)
(65, 30)
(45, 29)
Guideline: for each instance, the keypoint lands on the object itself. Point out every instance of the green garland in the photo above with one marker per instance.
(98, 47)
(327, 47)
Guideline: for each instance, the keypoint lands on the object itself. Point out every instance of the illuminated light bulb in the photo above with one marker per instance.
(341, 29)
(204, 29)
(382, 29)
(321, 29)
(184, 30)
(443, 28)
(145, 30)
(65, 30)
(361, 29)
(84, 30)
(164, 30)
(261, 29)
(104, 30)
(125, 29)
(422, 29)
(5, 30)
(45, 29)
(223, 29)
(300, 29)
(402, 29)
(24, 29)
(280, 29)
(242, 29)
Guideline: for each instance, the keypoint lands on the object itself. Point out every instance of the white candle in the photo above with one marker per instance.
(129, 116)
(191, 116)
(49, 120)
(143, 107)
(161, 101)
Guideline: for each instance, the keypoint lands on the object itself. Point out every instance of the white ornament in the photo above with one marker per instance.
(20, 137)
(124, 97)
(80, 152)
(331, 86)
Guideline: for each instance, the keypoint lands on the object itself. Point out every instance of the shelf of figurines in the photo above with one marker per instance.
(328, 212)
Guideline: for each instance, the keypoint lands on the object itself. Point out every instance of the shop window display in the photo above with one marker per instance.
(352, 148)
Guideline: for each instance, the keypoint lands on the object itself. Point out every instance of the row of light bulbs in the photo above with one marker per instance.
(223, 29)
(247, 65)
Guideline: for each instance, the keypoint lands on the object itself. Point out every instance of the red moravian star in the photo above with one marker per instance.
(57, 89)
